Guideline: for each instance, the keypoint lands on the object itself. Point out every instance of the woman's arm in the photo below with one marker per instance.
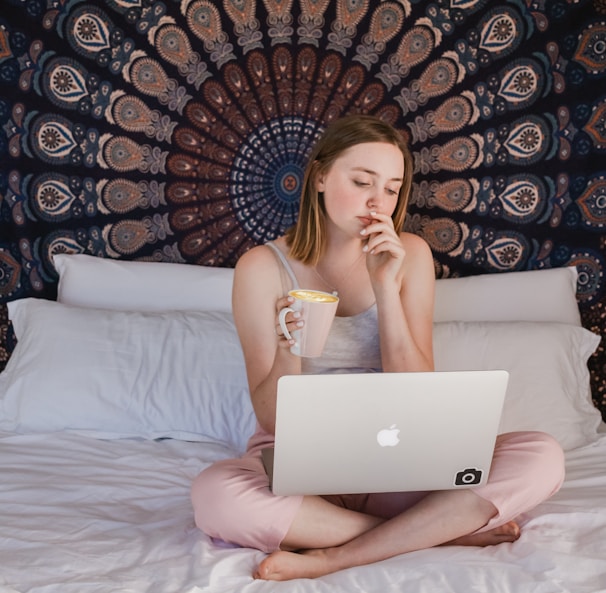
(256, 299)
(403, 279)
(406, 323)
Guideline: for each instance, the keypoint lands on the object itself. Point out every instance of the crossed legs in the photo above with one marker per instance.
(333, 538)
(232, 502)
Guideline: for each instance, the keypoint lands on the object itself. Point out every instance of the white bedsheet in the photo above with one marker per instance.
(79, 515)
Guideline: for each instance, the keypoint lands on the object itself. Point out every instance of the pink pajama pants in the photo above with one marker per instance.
(232, 501)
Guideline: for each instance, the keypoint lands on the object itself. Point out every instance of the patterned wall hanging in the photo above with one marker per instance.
(179, 130)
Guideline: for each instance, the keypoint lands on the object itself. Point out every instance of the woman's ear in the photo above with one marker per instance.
(318, 177)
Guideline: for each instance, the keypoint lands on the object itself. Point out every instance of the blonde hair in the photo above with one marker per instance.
(306, 239)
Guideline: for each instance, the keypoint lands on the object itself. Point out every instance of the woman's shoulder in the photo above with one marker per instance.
(414, 243)
(259, 264)
(259, 255)
(419, 260)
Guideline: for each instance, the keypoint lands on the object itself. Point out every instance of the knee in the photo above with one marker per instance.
(210, 498)
(551, 460)
(541, 459)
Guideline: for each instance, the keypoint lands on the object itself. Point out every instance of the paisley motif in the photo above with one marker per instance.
(415, 47)
(173, 45)
(591, 50)
(91, 31)
(149, 77)
(442, 234)
(527, 141)
(507, 251)
(501, 31)
(204, 21)
(64, 83)
(590, 268)
(386, 22)
(459, 154)
(132, 114)
(123, 154)
(592, 203)
(451, 196)
(350, 12)
(121, 195)
(129, 236)
(61, 242)
(521, 83)
(53, 197)
(54, 139)
(439, 77)
(523, 198)
(453, 115)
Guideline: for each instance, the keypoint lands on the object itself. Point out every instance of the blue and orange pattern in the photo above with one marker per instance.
(179, 130)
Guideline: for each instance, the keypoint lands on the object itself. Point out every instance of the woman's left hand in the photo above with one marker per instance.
(384, 251)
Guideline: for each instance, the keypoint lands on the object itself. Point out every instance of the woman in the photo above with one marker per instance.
(353, 204)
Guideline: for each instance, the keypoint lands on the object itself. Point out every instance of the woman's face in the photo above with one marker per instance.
(365, 177)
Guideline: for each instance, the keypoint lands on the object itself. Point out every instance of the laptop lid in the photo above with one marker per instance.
(385, 432)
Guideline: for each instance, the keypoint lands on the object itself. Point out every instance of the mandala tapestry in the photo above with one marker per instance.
(178, 130)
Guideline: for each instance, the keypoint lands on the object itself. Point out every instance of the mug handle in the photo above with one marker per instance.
(282, 320)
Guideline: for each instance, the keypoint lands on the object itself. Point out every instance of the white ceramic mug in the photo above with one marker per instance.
(318, 309)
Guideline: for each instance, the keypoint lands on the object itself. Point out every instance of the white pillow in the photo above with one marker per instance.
(534, 295)
(90, 281)
(119, 374)
(103, 283)
(549, 387)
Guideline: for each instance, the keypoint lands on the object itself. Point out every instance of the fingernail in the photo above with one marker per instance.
(300, 324)
(363, 232)
(365, 248)
(372, 213)
(296, 314)
(291, 299)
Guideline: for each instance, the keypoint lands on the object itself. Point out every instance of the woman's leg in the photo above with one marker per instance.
(527, 469)
(232, 502)
(438, 518)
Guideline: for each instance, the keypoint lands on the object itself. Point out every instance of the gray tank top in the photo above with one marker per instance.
(353, 342)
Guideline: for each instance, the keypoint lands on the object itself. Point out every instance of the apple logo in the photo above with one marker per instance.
(388, 437)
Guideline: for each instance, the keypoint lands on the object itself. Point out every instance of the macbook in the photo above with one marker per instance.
(384, 432)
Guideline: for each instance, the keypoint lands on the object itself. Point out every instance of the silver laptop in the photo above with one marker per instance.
(384, 432)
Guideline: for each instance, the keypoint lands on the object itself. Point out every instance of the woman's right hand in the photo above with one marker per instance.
(292, 320)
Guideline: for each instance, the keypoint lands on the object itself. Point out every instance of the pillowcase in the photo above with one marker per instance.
(181, 374)
(103, 283)
(90, 281)
(549, 388)
(115, 374)
(534, 295)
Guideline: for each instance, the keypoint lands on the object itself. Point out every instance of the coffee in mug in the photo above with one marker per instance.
(318, 309)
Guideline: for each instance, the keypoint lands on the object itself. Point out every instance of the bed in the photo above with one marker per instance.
(123, 389)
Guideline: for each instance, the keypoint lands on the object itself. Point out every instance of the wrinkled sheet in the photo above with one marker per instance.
(80, 515)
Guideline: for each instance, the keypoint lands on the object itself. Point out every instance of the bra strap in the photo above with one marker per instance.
(285, 263)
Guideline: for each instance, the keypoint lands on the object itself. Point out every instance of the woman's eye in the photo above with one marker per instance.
(361, 183)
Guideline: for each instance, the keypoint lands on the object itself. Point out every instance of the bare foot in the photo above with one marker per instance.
(310, 564)
(509, 532)
(283, 566)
